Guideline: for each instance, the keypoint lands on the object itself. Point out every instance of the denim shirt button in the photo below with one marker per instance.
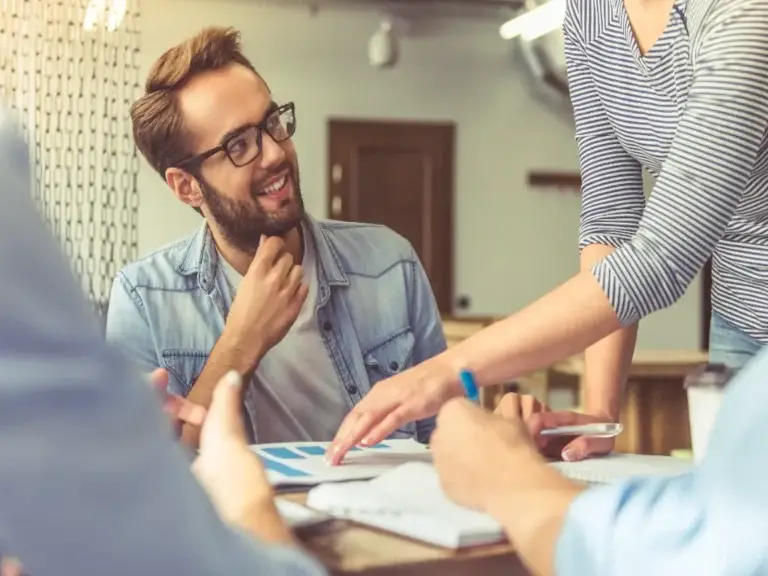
(327, 326)
(352, 389)
(394, 365)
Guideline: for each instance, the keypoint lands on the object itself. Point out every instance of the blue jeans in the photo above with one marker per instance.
(729, 345)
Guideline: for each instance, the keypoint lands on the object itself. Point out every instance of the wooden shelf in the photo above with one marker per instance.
(555, 180)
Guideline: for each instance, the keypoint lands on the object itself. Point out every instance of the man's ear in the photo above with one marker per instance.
(184, 186)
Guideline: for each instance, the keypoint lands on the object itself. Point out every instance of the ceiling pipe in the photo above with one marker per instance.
(500, 4)
(507, 5)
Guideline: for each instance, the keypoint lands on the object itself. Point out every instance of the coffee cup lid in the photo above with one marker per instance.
(715, 375)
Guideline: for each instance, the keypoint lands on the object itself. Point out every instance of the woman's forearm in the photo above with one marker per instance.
(607, 361)
(607, 364)
(560, 324)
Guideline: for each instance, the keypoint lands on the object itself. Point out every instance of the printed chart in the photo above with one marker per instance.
(304, 464)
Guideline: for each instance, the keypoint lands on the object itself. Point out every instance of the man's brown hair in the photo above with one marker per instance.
(158, 125)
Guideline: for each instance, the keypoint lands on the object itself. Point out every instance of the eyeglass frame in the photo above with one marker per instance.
(261, 127)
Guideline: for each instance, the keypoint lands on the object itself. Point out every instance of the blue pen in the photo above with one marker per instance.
(470, 385)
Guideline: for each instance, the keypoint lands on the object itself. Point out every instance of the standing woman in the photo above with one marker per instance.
(679, 88)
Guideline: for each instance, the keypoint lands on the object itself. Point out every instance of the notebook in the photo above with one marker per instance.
(408, 501)
(298, 516)
(302, 464)
(615, 467)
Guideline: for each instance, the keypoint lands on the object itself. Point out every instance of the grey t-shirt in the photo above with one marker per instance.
(296, 391)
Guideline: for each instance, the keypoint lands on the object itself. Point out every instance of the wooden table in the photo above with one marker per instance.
(345, 548)
(655, 408)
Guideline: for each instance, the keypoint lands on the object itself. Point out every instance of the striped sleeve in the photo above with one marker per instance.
(612, 199)
(706, 170)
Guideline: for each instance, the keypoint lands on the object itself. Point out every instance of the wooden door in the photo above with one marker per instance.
(400, 175)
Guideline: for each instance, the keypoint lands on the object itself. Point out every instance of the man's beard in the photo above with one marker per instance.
(242, 222)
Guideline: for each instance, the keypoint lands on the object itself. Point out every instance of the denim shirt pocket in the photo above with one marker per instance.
(388, 358)
(184, 368)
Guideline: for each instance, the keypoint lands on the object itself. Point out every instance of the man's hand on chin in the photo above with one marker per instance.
(492, 465)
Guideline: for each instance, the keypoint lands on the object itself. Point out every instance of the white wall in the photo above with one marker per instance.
(512, 243)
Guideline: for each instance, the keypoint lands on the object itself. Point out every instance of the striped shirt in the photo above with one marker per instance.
(692, 111)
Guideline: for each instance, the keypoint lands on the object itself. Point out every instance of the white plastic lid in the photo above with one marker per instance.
(709, 375)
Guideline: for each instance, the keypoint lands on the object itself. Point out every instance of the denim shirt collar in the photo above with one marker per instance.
(202, 258)
(330, 271)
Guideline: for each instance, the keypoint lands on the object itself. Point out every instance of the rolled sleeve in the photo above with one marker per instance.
(706, 171)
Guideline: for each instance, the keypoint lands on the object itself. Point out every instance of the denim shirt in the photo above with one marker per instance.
(375, 307)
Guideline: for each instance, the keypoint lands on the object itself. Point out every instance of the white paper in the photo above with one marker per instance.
(614, 467)
(408, 501)
(304, 464)
(298, 516)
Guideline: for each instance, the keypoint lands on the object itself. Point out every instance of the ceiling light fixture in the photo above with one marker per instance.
(383, 47)
(535, 22)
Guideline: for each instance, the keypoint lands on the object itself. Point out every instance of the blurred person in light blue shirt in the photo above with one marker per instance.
(91, 480)
(712, 521)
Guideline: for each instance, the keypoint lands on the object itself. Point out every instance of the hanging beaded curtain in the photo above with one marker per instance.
(70, 70)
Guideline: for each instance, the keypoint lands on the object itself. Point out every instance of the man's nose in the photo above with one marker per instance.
(272, 154)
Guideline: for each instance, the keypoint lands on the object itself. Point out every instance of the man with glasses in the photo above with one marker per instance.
(311, 313)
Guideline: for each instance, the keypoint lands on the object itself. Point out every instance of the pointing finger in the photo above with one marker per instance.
(266, 254)
(159, 378)
(356, 430)
(382, 430)
(190, 413)
(584, 447)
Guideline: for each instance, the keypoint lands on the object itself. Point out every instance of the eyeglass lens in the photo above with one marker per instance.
(246, 146)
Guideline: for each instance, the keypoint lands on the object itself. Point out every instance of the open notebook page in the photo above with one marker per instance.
(299, 516)
(408, 501)
(614, 467)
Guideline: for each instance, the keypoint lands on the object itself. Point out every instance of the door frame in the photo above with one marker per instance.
(448, 130)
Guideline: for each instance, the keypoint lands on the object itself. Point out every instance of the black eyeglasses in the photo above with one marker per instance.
(244, 146)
